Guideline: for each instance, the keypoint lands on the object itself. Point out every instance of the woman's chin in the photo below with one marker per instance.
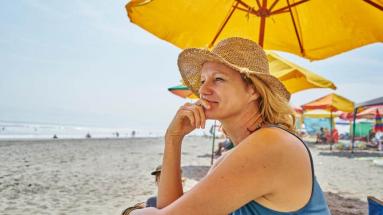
(211, 115)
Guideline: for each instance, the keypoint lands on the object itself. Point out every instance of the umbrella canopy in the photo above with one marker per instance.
(182, 91)
(313, 29)
(346, 116)
(370, 113)
(294, 77)
(319, 114)
(369, 103)
(331, 102)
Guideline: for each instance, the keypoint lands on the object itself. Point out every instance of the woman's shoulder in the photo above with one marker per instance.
(269, 136)
(277, 145)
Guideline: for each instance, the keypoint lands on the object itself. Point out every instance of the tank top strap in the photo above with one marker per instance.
(307, 148)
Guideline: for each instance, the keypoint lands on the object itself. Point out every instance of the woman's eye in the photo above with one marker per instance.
(202, 81)
(219, 79)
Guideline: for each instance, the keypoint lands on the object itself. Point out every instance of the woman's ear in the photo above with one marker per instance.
(254, 95)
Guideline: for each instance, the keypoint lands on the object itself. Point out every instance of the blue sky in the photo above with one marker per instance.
(83, 62)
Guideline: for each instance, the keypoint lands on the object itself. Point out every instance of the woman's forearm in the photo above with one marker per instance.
(170, 186)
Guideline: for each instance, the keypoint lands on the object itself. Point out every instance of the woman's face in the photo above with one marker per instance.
(225, 91)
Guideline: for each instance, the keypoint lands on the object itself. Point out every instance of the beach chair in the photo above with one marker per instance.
(375, 206)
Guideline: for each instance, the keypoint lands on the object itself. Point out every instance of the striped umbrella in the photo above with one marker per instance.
(182, 91)
(378, 122)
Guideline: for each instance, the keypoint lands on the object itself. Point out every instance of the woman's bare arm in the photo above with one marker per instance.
(247, 173)
(170, 186)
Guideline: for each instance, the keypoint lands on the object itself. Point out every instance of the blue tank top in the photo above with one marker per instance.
(316, 205)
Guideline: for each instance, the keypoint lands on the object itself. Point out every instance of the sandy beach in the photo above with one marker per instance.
(104, 176)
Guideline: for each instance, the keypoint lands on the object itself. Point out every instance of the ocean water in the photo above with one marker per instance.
(27, 130)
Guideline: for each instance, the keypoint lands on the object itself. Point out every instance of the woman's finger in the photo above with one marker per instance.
(197, 117)
(205, 104)
(202, 115)
(186, 111)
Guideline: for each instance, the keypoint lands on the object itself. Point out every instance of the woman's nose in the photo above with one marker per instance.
(205, 88)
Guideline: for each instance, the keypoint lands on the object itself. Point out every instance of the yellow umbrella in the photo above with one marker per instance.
(313, 29)
(294, 77)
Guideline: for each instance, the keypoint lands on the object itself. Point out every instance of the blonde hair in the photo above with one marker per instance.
(274, 109)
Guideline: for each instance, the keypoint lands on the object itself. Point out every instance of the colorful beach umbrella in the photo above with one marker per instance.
(346, 116)
(319, 114)
(378, 122)
(370, 112)
(294, 77)
(313, 29)
(183, 92)
(331, 103)
(370, 103)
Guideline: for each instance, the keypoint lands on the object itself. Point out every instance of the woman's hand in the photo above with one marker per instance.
(188, 117)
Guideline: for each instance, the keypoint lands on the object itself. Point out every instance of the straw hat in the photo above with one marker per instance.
(242, 55)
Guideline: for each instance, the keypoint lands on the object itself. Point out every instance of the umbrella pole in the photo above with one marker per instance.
(212, 147)
(353, 130)
(262, 24)
(331, 125)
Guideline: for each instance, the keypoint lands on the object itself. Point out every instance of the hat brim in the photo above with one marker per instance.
(190, 62)
(155, 172)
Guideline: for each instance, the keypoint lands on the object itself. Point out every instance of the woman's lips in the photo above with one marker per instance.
(212, 103)
(211, 100)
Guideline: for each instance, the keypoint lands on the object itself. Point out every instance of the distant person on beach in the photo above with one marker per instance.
(55, 136)
(133, 133)
(88, 135)
(224, 146)
(321, 137)
(269, 171)
(117, 134)
(327, 135)
(152, 201)
(371, 135)
(335, 135)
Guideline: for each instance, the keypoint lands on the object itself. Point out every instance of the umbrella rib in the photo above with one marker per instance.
(295, 29)
(259, 4)
(247, 8)
(273, 5)
(285, 9)
(374, 4)
(224, 24)
(263, 12)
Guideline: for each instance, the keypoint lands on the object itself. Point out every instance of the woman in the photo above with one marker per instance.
(269, 171)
